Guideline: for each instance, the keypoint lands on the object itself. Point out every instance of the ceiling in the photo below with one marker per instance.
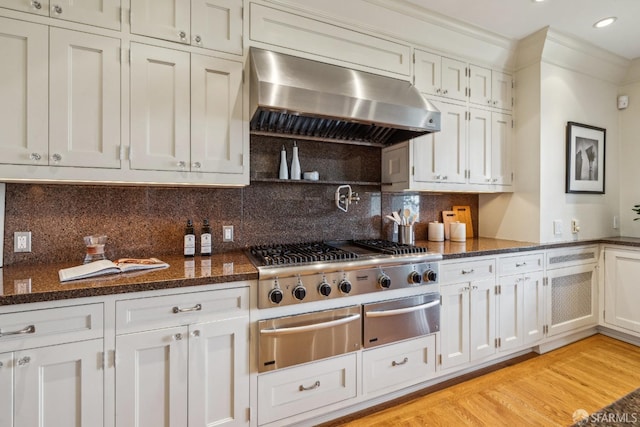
(516, 19)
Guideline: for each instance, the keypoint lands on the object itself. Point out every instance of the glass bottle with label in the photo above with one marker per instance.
(189, 240)
(205, 239)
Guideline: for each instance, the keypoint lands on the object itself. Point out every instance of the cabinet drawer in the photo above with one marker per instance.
(567, 257)
(523, 263)
(37, 328)
(141, 314)
(315, 385)
(467, 271)
(399, 365)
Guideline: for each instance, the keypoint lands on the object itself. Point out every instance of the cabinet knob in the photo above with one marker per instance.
(197, 39)
(196, 165)
(177, 337)
(1, 364)
(57, 9)
(182, 164)
(195, 333)
(446, 91)
(494, 180)
(56, 158)
(183, 36)
(35, 157)
(36, 5)
(489, 101)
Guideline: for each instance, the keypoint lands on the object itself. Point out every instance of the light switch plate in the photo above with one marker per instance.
(557, 227)
(227, 233)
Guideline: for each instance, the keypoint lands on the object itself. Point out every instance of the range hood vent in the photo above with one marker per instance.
(300, 98)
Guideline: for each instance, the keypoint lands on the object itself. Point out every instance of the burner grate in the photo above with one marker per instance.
(297, 253)
(388, 247)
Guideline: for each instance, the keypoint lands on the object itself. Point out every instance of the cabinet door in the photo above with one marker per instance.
(480, 146)
(103, 13)
(151, 378)
(395, 164)
(501, 140)
(454, 325)
(217, 24)
(6, 389)
(480, 86)
(216, 116)
(219, 373)
(502, 90)
(622, 269)
(454, 79)
(571, 298)
(441, 156)
(40, 7)
(533, 303)
(510, 311)
(84, 126)
(162, 19)
(427, 73)
(60, 385)
(482, 309)
(24, 101)
(160, 122)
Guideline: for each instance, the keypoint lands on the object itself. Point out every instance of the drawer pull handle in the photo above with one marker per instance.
(468, 271)
(405, 360)
(313, 387)
(520, 264)
(196, 307)
(31, 329)
(24, 361)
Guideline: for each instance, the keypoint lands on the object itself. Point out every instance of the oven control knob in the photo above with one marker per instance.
(415, 277)
(275, 296)
(384, 281)
(344, 286)
(430, 276)
(325, 289)
(299, 292)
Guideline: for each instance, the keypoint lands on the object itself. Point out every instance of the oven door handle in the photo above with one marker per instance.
(312, 327)
(385, 313)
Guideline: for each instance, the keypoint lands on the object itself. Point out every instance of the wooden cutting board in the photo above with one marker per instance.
(447, 218)
(464, 215)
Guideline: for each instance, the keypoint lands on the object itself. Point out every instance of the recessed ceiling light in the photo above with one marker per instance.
(605, 22)
(538, 1)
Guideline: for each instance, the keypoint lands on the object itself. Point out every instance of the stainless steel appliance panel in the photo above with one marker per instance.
(291, 340)
(395, 320)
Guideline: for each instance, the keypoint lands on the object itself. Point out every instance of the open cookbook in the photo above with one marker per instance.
(104, 267)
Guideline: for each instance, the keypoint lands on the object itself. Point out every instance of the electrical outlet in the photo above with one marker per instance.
(22, 241)
(227, 233)
(575, 226)
(615, 222)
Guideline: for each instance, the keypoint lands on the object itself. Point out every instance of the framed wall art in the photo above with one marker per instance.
(585, 158)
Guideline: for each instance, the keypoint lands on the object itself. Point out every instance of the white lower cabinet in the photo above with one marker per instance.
(571, 298)
(621, 289)
(398, 365)
(468, 313)
(51, 367)
(193, 370)
(303, 388)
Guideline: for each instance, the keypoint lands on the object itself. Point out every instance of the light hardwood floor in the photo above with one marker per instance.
(542, 391)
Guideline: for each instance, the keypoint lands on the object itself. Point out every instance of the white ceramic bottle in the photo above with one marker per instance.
(284, 170)
(295, 163)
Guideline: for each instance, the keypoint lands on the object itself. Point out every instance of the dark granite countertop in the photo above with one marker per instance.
(36, 283)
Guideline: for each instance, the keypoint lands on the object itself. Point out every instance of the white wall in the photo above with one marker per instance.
(630, 159)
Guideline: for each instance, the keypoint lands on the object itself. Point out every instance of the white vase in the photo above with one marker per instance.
(284, 171)
(295, 164)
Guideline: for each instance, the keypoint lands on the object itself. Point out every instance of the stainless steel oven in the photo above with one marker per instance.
(395, 320)
(301, 338)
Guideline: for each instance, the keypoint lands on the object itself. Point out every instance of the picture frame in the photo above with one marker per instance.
(585, 158)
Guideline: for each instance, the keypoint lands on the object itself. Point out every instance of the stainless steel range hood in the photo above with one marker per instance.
(300, 98)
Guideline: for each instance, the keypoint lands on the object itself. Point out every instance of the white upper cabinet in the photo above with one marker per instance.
(24, 101)
(160, 111)
(103, 13)
(490, 88)
(441, 76)
(216, 115)
(489, 147)
(75, 119)
(212, 24)
(84, 118)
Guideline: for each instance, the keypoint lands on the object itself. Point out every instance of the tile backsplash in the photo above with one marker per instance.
(150, 221)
